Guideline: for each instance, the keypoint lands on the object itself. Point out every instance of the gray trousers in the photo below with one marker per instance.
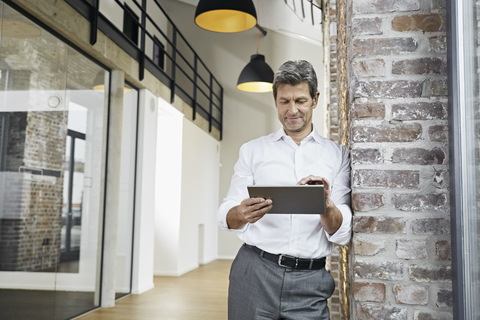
(261, 289)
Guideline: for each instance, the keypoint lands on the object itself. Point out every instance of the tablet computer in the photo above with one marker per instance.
(304, 199)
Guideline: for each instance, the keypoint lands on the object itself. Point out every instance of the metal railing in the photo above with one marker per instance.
(183, 71)
(299, 7)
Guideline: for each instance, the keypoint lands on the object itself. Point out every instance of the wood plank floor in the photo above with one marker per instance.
(200, 294)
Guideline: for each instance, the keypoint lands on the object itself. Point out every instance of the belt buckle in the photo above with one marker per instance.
(280, 258)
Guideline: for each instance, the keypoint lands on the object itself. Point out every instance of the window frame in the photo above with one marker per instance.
(133, 23)
(160, 59)
(461, 35)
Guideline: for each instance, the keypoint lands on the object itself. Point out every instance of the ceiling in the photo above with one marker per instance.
(292, 18)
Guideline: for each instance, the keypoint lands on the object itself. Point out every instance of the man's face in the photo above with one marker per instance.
(295, 107)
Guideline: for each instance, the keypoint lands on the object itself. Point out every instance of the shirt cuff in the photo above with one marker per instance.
(343, 234)
(222, 216)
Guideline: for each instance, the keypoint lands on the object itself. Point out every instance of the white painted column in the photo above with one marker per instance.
(143, 252)
(168, 190)
(112, 194)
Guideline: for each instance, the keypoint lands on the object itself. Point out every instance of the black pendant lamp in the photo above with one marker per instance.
(257, 76)
(226, 15)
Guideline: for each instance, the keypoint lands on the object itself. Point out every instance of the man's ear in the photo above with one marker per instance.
(315, 100)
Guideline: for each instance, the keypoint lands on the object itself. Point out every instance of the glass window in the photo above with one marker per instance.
(52, 155)
(130, 24)
(158, 53)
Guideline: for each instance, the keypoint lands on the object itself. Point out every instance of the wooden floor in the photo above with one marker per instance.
(200, 294)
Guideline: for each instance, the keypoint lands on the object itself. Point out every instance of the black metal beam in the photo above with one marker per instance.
(94, 21)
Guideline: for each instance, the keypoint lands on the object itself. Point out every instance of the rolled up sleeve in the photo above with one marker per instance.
(341, 196)
(242, 177)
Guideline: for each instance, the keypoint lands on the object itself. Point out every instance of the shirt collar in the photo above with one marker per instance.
(277, 135)
(281, 133)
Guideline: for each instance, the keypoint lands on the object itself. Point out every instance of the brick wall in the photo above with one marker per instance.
(333, 125)
(333, 106)
(30, 225)
(15, 144)
(401, 264)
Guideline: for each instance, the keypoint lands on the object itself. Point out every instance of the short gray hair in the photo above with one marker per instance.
(293, 73)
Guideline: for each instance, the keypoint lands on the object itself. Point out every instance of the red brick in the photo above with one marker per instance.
(419, 111)
(444, 299)
(383, 46)
(438, 133)
(366, 155)
(368, 111)
(392, 89)
(439, 5)
(435, 88)
(443, 250)
(369, 311)
(395, 179)
(418, 156)
(367, 201)
(423, 315)
(364, 247)
(411, 294)
(378, 270)
(397, 132)
(420, 66)
(379, 6)
(437, 226)
(421, 273)
(367, 26)
(417, 22)
(368, 291)
(421, 202)
(370, 224)
(438, 44)
(411, 249)
(369, 68)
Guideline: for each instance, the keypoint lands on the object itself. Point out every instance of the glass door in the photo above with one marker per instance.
(72, 194)
(52, 155)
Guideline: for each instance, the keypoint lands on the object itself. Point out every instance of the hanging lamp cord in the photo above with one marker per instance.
(258, 25)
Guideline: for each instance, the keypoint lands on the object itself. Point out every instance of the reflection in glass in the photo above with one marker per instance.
(52, 147)
(73, 191)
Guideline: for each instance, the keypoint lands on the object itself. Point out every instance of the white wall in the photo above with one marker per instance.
(200, 177)
(246, 115)
(142, 269)
(168, 189)
(187, 194)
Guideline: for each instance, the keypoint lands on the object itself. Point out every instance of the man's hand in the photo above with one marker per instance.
(314, 180)
(332, 218)
(249, 211)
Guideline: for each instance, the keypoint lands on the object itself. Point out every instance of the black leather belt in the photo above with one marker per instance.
(290, 262)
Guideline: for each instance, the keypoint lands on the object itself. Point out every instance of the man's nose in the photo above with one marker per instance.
(292, 108)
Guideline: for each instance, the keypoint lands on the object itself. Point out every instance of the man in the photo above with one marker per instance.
(279, 273)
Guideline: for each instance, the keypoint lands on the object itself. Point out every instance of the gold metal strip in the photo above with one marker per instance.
(342, 84)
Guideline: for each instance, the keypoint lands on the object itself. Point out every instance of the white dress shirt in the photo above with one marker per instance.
(276, 160)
